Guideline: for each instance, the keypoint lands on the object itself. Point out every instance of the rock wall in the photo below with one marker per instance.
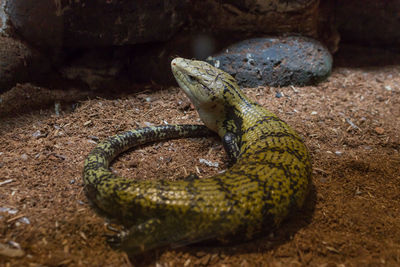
(114, 22)
(369, 22)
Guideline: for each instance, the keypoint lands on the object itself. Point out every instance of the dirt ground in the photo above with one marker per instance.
(350, 124)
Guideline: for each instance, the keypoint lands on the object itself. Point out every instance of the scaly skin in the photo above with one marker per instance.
(269, 177)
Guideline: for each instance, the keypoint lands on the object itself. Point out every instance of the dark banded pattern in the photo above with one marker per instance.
(270, 178)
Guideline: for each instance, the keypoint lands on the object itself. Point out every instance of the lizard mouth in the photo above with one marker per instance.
(184, 80)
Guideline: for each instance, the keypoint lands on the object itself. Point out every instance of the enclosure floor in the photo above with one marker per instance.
(350, 123)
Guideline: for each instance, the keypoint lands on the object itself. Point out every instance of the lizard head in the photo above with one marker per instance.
(209, 89)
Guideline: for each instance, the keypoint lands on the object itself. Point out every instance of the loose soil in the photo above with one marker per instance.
(350, 124)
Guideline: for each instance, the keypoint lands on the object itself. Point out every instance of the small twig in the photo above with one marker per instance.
(15, 218)
(6, 182)
(352, 124)
(321, 170)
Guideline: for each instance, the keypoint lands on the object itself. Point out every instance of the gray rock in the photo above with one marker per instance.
(277, 61)
(3, 17)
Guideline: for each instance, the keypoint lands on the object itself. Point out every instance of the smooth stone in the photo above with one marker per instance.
(275, 61)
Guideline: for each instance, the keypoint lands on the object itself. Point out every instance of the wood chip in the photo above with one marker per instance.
(379, 130)
(10, 252)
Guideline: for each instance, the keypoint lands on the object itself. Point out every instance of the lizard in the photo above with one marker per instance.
(269, 173)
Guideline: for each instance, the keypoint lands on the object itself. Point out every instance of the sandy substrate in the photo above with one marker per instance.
(350, 124)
